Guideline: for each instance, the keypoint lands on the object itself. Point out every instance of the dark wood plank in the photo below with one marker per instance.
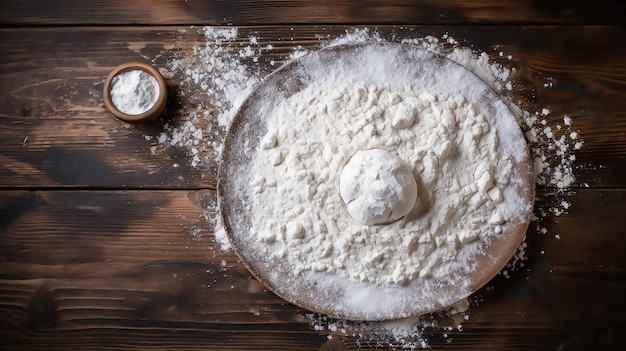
(251, 12)
(140, 269)
(55, 131)
(55, 128)
(86, 267)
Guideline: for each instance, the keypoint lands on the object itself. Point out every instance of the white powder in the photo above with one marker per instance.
(220, 234)
(217, 75)
(134, 92)
(451, 147)
(462, 121)
(551, 149)
(405, 333)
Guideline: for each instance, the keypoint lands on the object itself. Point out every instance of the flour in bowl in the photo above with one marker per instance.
(134, 92)
(450, 147)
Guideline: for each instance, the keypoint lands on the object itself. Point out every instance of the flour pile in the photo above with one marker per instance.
(462, 169)
(221, 69)
(134, 92)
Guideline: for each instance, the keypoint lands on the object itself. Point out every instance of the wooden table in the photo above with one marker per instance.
(104, 245)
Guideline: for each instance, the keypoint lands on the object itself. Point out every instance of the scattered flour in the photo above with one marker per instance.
(408, 333)
(134, 92)
(220, 234)
(552, 149)
(217, 75)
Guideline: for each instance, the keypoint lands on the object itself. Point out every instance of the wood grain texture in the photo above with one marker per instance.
(55, 131)
(87, 264)
(141, 270)
(255, 12)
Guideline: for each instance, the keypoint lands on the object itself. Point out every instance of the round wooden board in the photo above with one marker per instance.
(335, 295)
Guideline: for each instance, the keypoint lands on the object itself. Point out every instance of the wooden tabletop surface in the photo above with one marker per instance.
(104, 244)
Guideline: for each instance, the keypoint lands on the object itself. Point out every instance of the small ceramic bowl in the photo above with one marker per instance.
(154, 111)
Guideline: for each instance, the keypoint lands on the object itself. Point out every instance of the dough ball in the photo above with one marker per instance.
(377, 187)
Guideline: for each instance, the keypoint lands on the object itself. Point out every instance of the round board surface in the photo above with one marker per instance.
(335, 294)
